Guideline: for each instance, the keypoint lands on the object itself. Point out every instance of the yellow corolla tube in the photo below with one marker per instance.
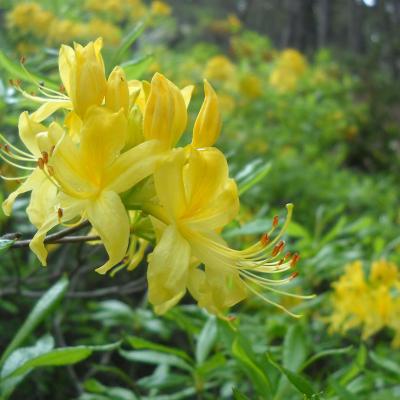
(82, 74)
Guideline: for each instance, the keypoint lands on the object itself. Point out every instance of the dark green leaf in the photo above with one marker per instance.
(206, 340)
(297, 380)
(42, 308)
(156, 358)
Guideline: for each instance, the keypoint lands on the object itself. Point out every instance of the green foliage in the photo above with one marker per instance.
(329, 145)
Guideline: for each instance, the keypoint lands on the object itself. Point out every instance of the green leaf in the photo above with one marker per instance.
(356, 367)
(239, 396)
(385, 363)
(206, 340)
(42, 308)
(255, 176)
(17, 359)
(136, 68)
(342, 392)
(325, 353)
(55, 358)
(297, 380)
(17, 72)
(127, 42)
(294, 348)
(140, 343)
(156, 358)
(22, 355)
(250, 366)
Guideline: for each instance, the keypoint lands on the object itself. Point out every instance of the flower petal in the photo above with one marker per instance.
(28, 131)
(168, 270)
(170, 186)
(133, 166)
(208, 123)
(71, 209)
(34, 180)
(109, 217)
(49, 108)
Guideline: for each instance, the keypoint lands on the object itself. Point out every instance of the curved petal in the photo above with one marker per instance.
(108, 216)
(218, 213)
(103, 136)
(66, 61)
(187, 92)
(170, 185)
(43, 199)
(117, 92)
(133, 166)
(208, 123)
(71, 209)
(28, 130)
(49, 108)
(34, 180)
(168, 270)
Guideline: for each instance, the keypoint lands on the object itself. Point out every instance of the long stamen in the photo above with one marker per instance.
(280, 306)
(16, 149)
(14, 178)
(14, 156)
(15, 165)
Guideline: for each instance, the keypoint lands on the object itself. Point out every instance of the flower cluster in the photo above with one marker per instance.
(114, 159)
(372, 303)
(30, 19)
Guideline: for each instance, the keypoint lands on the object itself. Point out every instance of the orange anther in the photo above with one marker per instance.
(52, 150)
(22, 59)
(40, 163)
(7, 149)
(264, 239)
(294, 275)
(295, 260)
(60, 213)
(231, 318)
(45, 157)
(275, 221)
(62, 88)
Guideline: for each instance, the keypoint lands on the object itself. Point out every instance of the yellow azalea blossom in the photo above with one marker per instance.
(368, 303)
(219, 68)
(250, 86)
(290, 66)
(160, 8)
(91, 175)
(82, 74)
(197, 198)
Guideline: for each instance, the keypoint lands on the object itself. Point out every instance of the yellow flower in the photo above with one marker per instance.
(250, 86)
(160, 8)
(82, 74)
(91, 175)
(219, 68)
(290, 66)
(197, 199)
(371, 304)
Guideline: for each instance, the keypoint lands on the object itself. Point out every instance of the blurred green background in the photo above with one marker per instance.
(309, 92)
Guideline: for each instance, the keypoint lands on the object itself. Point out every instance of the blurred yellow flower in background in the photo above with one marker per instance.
(219, 68)
(372, 303)
(160, 8)
(289, 68)
(250, 86)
